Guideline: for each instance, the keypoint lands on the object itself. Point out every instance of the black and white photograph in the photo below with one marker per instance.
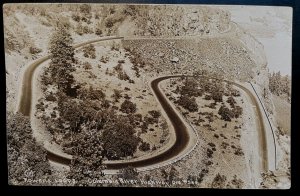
(148, 95)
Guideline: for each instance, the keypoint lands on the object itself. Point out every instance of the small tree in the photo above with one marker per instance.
(144, 146)
(231, 101)
(154, 113)
(117, 95)
(89, 51)
(87, 66)
(237, 111)
(188, 103)
(190, 88)
(225, 113)
(98, 31)
(217, 96)
(119, 139)
(128, 107)
(219, 181)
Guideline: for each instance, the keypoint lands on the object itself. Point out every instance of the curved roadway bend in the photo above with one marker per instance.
(259, 122)
(181, 131)
(24, 106)
(263, 152)
(182, 136)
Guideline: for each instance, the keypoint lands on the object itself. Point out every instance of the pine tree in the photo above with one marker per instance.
(62, 58)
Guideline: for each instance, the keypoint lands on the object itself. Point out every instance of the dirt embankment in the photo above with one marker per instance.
(223, 55)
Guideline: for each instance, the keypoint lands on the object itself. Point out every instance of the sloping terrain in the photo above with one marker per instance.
(112, 97)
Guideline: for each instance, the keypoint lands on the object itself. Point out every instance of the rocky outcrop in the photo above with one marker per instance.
(172, 20)
(253, 45)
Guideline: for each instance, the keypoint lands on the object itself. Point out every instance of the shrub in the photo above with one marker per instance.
(239, 152)
(80, 29)
(279, 85)
(115, 47)
(122, 75)
(201, 175)
(98, 31)
(237, 111)
(87, 65)
(144, 146)
(190, 88)
(188, 103)
(104, 59)
(225, 113)
(91, 93)
(217, 96)
(128, 107)
(231, 101)
(105, 104)
(207, 97)
(118, 67)
(109, 23)
(235, 93)
(50, 97)
(130, 10)
(211, 144)
(170, 176)
(237, 183)
(150, 120)
(219, 181)
(89, 51)
(224, 145)
(76, 17)
(117, 95)
(154, 113)
(87, 30)
(209, 153)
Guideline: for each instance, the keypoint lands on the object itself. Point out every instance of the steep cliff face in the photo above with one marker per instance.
(260, 70)
(255, 47)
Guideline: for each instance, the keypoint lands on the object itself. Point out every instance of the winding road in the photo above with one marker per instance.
(25, 97)
(182, 129)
